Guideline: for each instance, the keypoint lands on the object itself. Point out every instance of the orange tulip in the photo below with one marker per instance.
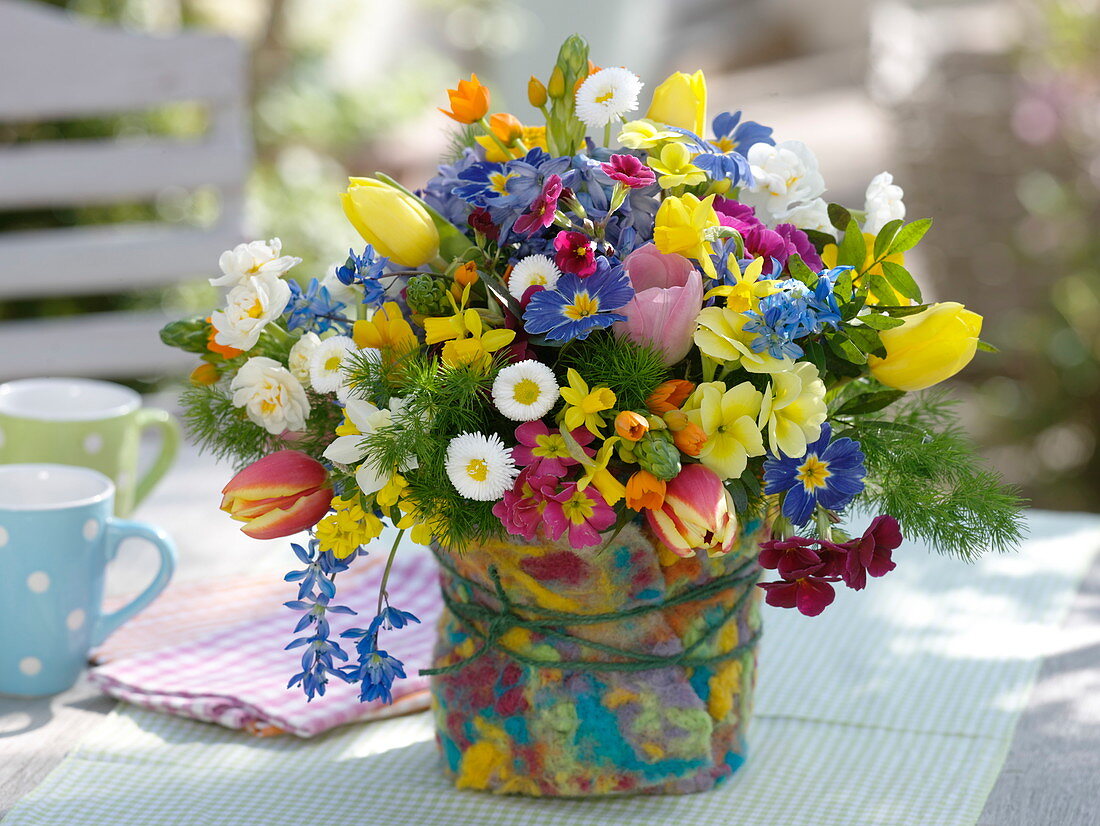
(669, 395)
(469, 102)
(279, 495)
(631, 426)
(645, 491)
(205, 374)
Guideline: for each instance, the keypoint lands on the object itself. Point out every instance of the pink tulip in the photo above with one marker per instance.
(697, 514)
(668, 297)
(278, 495)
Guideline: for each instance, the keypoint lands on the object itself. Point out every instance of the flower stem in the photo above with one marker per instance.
(386, 573)
(484, 124)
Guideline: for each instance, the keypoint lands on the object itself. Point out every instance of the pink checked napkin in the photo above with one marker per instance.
(236, 676)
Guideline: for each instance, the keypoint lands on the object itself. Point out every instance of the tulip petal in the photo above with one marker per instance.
(284, 473)
(306, 512)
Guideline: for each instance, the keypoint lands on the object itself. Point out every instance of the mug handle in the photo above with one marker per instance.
(118, 530)
(169, 429)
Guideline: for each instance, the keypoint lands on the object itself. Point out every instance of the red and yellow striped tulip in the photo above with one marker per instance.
(279, 495)
(697, 514)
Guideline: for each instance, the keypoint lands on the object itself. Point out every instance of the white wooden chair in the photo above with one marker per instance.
(56, 67)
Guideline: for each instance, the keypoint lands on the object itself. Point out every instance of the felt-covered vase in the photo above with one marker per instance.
(602, 671)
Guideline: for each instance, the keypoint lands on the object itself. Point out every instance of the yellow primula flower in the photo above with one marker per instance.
(830, 253)
(585, 408)
(729, 420)
(721, 336)
(387, 330)
(674, 167)
(476, 345)
(746, 291)
(681, 226)
(793, 409)
(646, 134)
(347, 528)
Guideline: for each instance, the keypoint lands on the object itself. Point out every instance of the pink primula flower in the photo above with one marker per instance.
(582, 514)
(542, 210)
(629, 171)
(544, 449)
(520, 510)
(575, 253)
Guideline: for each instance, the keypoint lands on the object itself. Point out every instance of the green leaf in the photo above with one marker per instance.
(866, 339)
(852, 308)
(839, 217)
(739, 495)
(819, 239)
(869, 402)
(885, 236)
(879, 321)
(751, 482)
(901, 280)
(881, 288)
(986, 347)
(895, 426)
(909, 235)
(800, 271)
(902, 310)
(853, 247)
(844, 348)
(815, 353)
(843, 285)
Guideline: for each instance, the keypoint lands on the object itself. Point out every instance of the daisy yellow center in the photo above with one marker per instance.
(578, 508)
(477, 469)
(550, 446)
(498, 182)
(256, 310)
(526, 391)
(606, 96)
(332, 363)
(583, 306)
(538, 279)
(813, 473)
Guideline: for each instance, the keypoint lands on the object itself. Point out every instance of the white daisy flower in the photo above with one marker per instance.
(534, 270)
(607, 95)
(480, 467)
(250, 306)
(525, 391)
(300, 355)
(270, 395)
(255, 257)
(326, 365)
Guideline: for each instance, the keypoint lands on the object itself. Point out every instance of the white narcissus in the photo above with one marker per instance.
(300, 355)
(365, 418)
(253, 258)
(270, 395)
(785, 176)
(883, 203)
(250, 306)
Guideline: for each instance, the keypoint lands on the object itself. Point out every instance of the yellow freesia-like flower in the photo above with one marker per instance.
(395, 224)
(830, 253)
(597, 474)
(532, 136)
(584, 407)
(476, 344)
(681, 100)
(930, 346)
(746, 291)
(347, 528)
(387, 330)
(793, 409)
(681, 226)
(721, 336)
(674, 167)
(645, 134)
(729, 420)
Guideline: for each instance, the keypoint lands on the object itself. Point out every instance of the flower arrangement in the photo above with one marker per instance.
(608, 322)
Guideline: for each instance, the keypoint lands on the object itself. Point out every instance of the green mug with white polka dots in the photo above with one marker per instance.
(88, 423)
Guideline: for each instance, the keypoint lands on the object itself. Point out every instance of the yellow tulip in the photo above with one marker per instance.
(395, 224)
(681, 101)
(930, 346)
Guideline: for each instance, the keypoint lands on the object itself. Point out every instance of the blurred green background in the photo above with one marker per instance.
(986, 112)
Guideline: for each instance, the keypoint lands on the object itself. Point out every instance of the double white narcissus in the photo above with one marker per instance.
(697, 514)
(270, 395)
(252, 258)
(250, 307)
(361, 418)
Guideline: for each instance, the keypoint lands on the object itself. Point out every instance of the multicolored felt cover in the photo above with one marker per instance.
(516, 728)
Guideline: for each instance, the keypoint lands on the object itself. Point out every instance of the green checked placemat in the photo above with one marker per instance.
(896, 706)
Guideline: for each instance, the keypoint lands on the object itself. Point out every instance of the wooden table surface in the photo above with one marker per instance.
(1051, 777)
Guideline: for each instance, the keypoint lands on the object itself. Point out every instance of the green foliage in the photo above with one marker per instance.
(632, 371)
(923, 470)
(458, 141)
(188, 334)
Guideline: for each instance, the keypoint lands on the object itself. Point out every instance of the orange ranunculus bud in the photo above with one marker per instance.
(205, 374)
(536, 92)
(676, 420)
(631, 426)
(507, 128)
(690, 438)
(222, 350)
(466, 274)
(644, 490)
(469, 102)
(669, 395)
(279, 495)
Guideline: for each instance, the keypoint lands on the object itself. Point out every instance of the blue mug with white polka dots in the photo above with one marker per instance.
(57, 534)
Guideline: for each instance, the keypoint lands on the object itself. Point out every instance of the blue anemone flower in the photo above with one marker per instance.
(577, 306)
(830, 474)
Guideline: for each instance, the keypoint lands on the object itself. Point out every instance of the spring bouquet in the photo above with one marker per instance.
(614, 369)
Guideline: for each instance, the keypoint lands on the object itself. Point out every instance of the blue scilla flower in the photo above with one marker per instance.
(577, 306)
(731, 134)
(376, 673)
(830, 474)
(365, 270)
(782, 318)
(313, 308)
(822, 300)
